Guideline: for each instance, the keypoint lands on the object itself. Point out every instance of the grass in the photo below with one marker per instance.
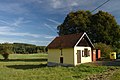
(116, 75)
(34, 67)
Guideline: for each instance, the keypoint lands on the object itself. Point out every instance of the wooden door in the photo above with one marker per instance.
(78, 56)
(94, 55)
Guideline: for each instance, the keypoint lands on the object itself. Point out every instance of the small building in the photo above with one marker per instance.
(70, 50)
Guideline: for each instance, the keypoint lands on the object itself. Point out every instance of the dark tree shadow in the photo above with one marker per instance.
(25, 60)
(108, 63)
(25, 67)
(111, 63)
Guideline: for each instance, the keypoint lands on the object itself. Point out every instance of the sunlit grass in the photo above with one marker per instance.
(34, 67)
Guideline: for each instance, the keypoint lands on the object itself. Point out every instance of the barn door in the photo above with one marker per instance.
(61, 59)
(78, 56)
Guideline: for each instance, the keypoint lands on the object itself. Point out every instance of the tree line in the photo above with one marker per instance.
(21, 48)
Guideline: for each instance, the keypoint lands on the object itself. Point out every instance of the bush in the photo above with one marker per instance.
(5, 51)
(5, 56)
(105, 49)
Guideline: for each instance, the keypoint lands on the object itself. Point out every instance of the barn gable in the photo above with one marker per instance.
(85, 41)
(69, 41)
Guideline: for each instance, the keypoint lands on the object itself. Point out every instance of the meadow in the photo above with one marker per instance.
(34, 67)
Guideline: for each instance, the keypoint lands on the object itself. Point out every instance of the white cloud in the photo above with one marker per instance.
(53, 21)
(19, 21)
(15, 8)
(56, 3)
(74, 4)
(49, 27)
(20, 6)
(10, 33)
(42, 39)
(32, 1)
(15, 23)
(38, 1)
(10, 29)
(6, 29)
(36, 42)
(63, 3)
(5, 22)
(65, 6)
(50, 37)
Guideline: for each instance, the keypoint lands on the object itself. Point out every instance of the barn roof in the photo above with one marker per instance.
(67, 41)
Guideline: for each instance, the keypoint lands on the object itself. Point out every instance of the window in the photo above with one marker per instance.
(85, 53)
(82, 53)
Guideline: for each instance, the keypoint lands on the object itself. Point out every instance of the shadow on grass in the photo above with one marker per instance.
(25, 67)
(25, 60)
(107, 63)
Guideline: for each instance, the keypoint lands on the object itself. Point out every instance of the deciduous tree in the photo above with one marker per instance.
(101, 27)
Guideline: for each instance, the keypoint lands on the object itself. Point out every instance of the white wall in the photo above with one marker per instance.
(83, 59)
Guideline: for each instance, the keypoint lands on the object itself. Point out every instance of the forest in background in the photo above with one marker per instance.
(21, 48)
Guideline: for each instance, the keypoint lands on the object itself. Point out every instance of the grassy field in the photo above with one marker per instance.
(34, 67)
(115, 76)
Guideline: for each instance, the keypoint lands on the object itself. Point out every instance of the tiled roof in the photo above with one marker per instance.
(66, 41)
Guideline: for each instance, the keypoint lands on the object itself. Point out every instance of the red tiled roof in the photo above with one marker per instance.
(66, 41)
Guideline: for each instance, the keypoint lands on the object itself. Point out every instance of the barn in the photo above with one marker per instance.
(70, 50)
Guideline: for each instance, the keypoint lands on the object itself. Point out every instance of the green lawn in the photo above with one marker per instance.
(34, 67)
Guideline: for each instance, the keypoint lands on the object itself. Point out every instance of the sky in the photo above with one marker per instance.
(36, 21)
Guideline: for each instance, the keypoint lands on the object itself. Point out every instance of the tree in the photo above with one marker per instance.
(5, 50)
(75, 22)
(104, 28)
(105, 49)
(100, 27)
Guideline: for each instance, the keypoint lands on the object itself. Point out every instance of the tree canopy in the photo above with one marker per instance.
(75, 22)
(100, 27)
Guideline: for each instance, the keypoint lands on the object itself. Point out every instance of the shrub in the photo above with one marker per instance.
(105, 49)
(5, 51)
(5, 56)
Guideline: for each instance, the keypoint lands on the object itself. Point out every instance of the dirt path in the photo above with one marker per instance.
(105, 75)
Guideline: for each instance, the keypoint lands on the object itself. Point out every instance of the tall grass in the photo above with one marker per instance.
(34, 67)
